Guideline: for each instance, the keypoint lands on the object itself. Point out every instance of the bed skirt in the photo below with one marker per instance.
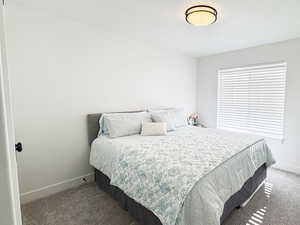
(146, 217)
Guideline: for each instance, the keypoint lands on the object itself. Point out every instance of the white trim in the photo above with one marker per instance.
(287, 167)
(245, 100)
(55, 188)
(257, 66)
(10, 211)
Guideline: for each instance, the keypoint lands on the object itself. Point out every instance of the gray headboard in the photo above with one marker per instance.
(93, 124)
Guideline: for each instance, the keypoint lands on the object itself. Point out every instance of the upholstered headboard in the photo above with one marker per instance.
(93, 124)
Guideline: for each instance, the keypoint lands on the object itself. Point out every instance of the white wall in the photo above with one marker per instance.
(62, 70)
(287, 153)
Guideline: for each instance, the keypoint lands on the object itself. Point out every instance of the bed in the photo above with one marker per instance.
(197, 204)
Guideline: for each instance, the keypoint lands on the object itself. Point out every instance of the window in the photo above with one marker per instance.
(252, 99)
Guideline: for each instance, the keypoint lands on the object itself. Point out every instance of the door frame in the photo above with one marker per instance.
(10, 210)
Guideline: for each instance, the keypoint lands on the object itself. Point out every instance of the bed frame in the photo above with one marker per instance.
(145, 216)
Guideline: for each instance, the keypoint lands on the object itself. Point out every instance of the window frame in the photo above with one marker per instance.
(249, 69)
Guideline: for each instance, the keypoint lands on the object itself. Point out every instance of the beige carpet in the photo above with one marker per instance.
(276, 203)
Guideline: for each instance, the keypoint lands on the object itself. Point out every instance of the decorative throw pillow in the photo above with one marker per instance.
(154, 129)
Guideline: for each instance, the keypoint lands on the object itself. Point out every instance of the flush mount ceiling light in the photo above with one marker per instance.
(201, 15)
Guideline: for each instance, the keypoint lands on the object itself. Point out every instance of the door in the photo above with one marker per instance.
(10, 213)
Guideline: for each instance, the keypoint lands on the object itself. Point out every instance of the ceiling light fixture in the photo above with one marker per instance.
(201, 15)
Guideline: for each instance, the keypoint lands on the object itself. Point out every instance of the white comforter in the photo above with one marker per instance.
(203, 204)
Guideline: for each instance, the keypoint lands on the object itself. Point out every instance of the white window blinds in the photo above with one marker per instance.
(252, 99)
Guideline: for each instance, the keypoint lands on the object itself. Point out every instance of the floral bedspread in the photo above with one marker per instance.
(159, 172)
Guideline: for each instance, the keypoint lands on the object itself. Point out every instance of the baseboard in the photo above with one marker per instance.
(287, 167)
(55, 188)
(77, 181)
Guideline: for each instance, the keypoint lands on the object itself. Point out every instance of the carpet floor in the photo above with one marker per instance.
(276, 203)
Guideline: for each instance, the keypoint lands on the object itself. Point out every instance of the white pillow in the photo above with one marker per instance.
(165, 117)
(125, 124)
(179, 117)
(154, 129)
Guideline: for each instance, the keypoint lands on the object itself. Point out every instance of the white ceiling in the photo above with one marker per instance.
(240, 24)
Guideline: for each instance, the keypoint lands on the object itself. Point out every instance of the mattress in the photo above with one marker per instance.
(211, 191)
